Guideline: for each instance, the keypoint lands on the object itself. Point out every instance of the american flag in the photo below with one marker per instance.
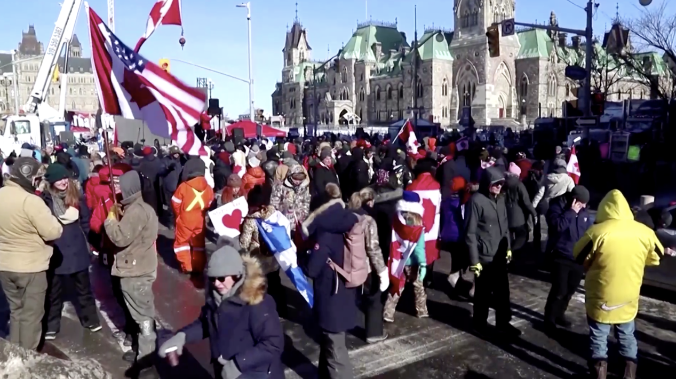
(164, 12)
(135, 88)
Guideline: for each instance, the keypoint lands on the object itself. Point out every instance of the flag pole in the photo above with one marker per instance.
(106, 145)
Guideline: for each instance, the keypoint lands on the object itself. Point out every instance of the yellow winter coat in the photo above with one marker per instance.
(615, 251)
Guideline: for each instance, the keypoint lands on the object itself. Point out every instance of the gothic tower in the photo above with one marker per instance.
(296, 49)
(483, 83)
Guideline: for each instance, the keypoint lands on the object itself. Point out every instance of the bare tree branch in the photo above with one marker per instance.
(655, 28)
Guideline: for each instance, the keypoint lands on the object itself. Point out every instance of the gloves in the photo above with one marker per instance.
(509, 256)
(230, 370)
(476, 269)
(177, 341)
(384, 277)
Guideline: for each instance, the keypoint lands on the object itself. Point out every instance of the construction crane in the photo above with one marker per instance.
(29, 127)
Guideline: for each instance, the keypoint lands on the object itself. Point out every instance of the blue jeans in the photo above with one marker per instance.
(598, 339)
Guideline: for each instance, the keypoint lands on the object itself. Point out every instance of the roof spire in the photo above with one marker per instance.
(296, 19)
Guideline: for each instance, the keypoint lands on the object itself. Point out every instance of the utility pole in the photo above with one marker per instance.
(588, 33)
(415, 67)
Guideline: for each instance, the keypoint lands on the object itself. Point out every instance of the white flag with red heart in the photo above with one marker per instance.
(228, 217)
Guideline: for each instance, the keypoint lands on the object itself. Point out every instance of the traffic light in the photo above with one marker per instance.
(598, 102)
(493, 35)
(165, 66)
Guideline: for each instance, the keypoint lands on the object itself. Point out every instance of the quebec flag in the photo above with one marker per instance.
(276, 232)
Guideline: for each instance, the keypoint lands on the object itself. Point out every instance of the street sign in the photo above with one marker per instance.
(508, 27)
(587, 121)
(576, 72)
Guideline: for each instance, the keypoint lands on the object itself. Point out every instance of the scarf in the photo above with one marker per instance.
(66, 214)
(218, 297)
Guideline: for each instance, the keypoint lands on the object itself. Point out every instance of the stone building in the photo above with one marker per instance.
(81, 94)
(371, 79)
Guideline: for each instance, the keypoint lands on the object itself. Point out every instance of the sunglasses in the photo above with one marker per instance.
(498, 184)
(214, 279)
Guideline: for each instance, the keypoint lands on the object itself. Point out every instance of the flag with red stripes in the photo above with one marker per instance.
(133, 87)
(429, 191)
(164, 12)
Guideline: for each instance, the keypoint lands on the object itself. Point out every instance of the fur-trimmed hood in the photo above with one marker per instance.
(254, 288)
(312, 216)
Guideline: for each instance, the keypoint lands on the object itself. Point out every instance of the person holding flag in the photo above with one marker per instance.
(407, 261)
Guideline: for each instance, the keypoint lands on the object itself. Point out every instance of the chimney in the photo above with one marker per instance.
(576, 42)
(563, 37)
(378, 49)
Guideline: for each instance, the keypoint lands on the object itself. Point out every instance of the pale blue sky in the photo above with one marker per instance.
(216, 32)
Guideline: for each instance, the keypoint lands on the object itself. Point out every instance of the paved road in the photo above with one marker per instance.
(441, 346)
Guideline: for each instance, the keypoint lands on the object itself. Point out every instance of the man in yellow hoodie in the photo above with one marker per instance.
(614, 252)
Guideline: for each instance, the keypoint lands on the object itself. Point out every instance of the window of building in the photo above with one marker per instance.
(401, 91)
(444, 87)
(343, 76)
(377, 93)
(419, 88)
(389, 92)
(344, 95)
(567, 90)
(362, 94)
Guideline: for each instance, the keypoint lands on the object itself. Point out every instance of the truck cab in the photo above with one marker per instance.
(18, 130)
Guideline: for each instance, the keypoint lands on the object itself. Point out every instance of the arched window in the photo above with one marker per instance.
(389, 92)
(444, 87)
(344, 95)
(524, 87)
(377, 93)
(419, 88)
(343, 77)
(465, 19)
(474, 20)
(362, 94)
(567, 89)
(401, 91)
(551, 86)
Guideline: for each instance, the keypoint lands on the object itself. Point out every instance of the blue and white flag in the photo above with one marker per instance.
(276, 232)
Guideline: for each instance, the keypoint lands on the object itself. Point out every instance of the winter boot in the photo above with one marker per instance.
(630, 370)
(599, 370)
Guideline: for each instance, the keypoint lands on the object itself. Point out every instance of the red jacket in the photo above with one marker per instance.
(254, 176)
(89, 191)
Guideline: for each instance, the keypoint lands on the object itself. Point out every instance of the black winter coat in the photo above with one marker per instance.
(71, 250)
(244, 328)
(322, 176)
(565, 227)
(385, 208)
(519, 206)
(335, 306)
(358, 173)
(172, 175)
(445, 174)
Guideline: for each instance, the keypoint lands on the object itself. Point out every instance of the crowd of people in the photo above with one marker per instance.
(478, 205)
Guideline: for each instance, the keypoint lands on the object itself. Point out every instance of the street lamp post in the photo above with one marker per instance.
(247, 5)
(15, 82)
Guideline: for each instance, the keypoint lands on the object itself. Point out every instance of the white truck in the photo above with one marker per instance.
(35, 124)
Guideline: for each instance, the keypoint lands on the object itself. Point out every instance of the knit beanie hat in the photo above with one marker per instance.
(224, 262)
(56, 172)
(234, 181)
(410, 202)
(514, 169)
(581, 194)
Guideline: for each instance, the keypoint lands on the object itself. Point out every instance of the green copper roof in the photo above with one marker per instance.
(360, 45)
(535, 43)
(299, 71)
(435, 45)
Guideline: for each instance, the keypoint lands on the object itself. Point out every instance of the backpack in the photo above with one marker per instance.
(356, 266)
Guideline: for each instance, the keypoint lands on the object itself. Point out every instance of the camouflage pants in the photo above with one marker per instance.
(419, 295)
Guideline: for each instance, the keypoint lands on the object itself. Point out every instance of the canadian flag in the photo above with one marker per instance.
(408, 137)
(404, 239)
(429, 191)
(164, 12)
(573, 167)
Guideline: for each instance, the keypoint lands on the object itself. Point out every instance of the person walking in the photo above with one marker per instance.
(26, 225)
(135, 263)
(71, 258)
(239, 318)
